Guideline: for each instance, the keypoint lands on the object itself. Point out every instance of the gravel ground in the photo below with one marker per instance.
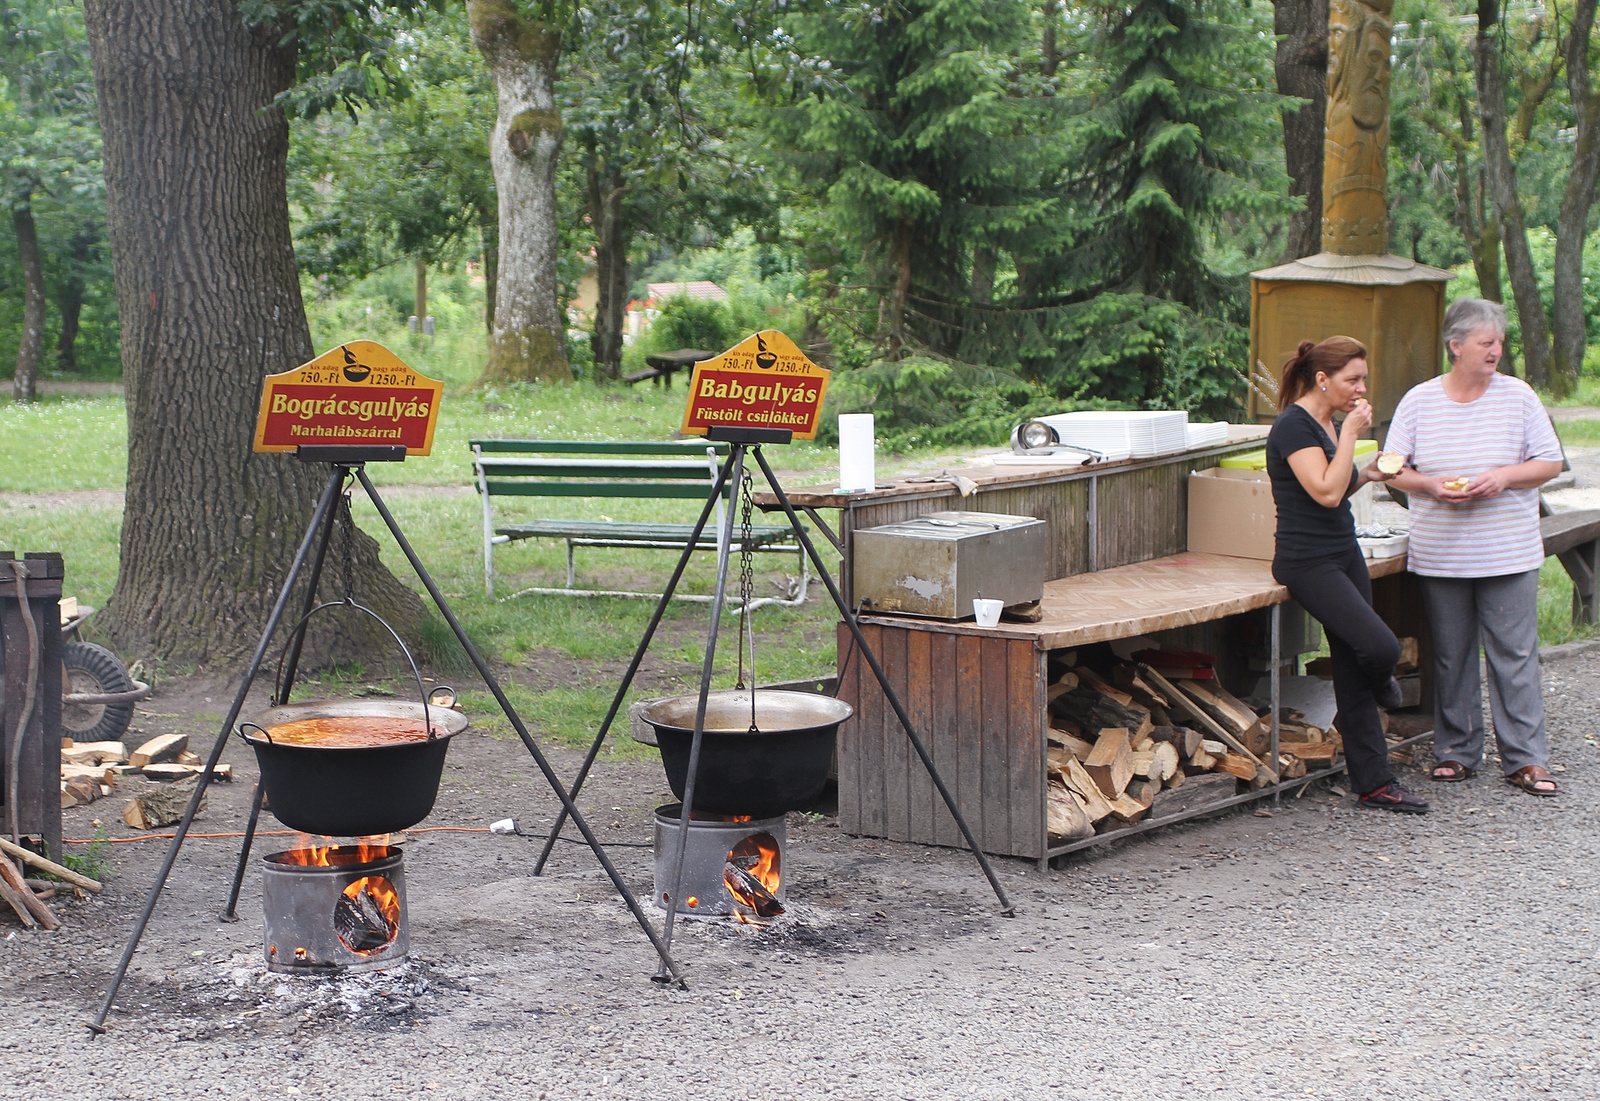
(1324, 951)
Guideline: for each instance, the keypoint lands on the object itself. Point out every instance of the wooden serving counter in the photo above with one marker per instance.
(978, 695)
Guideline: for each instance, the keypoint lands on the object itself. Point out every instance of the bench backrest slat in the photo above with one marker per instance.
(634, 490)
(584, 447)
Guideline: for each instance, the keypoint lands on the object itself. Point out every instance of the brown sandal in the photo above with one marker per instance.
(1529, 777)
(1451, 772)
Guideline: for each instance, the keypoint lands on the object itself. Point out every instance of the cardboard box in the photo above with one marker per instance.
(1231, 512)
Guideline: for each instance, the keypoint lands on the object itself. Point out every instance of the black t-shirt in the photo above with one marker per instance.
(1305, 528)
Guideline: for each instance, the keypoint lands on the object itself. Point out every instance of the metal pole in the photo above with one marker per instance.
(516, 722)
(736, 453)
(638, 658)
(1277, 649)
(291, 664)
(97, 1026)
(883, 680)
(229, 913)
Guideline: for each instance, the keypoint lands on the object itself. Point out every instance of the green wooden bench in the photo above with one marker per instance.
(641, 471)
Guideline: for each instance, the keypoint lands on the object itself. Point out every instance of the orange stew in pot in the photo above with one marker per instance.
(352, 732)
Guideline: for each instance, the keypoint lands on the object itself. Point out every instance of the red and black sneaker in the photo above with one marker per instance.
(1392, 796)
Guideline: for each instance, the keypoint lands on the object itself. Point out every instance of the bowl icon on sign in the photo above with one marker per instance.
(355, 372)
(765, 359)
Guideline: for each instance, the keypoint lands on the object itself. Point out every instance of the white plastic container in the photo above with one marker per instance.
(857, 453)
(987, 612)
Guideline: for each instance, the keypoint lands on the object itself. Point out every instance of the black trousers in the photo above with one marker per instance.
(1337, 590)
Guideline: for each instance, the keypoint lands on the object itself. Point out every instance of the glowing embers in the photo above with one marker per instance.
(335, 907)
(732, 866)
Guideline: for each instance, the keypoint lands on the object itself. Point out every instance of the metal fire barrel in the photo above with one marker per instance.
(322, 918)
(710, 844)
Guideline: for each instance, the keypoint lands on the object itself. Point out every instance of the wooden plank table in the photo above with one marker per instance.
(978, 696)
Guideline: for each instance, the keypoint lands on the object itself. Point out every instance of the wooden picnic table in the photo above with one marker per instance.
(662, 365)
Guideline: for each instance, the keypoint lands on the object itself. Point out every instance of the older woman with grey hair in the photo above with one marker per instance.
(1478, 445)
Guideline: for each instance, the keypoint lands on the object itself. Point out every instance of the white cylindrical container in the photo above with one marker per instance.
(857, 453)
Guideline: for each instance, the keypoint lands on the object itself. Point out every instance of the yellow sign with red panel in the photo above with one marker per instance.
(764, 381)
(357, 394)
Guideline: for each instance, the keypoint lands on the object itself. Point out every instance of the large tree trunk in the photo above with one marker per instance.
(529, 337)
(209, 301)
(1567, 321)
(1302, 70)
(70, 301)
(24, 383)
(605, 191)
(1502, 178)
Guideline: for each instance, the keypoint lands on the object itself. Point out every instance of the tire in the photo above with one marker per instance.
(91, 668)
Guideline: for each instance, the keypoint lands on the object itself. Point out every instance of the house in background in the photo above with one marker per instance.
(641, 314)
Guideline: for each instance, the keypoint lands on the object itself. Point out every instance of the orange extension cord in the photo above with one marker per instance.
(259, 833)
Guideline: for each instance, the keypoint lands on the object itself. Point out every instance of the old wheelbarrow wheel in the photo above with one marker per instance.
(92, 669)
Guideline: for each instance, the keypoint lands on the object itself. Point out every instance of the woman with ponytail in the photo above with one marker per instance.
(1311, 462)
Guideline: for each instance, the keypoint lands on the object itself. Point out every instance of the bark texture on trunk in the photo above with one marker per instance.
(605, 190)
(529, 336)
(1302, 70)
(24, 384)
(209, 301)
(1567, 327)
(1502, 180)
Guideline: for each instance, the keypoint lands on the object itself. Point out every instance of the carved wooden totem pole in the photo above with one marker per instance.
(1354, 286)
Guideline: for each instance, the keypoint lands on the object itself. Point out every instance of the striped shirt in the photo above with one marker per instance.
(1507, 425)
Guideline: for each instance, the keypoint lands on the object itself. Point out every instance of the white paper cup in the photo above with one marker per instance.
(987, 612)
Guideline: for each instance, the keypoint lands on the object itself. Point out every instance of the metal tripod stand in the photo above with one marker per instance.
(348, 462)
(731, 477)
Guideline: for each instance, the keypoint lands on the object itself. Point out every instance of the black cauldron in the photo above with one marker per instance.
(781, 765)
(354, 792)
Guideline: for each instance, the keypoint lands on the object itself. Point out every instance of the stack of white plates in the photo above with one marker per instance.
(1140, 435)
(1206, 435)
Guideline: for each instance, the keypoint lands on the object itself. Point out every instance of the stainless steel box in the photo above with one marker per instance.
(934, 565)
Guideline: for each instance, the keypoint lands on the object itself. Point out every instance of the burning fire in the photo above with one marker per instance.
(322, 852)
(367, 915)
(752, 875)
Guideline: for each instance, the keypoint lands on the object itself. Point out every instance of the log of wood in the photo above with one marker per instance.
(1127, 809)
(1220, 704)
(1199, 762)
(1408, 656)
(1094, 712)
(1258, 739)
(1185, 740)
(1090, 679)
(1207, 723)
(1068, 680)
(1144, 790)
(1238, 765)
(1196, 792)
(1215, 749)
(79, 791)
(162, 807)
(1320, 755)
(1080, 783)
(1298, 733)
(1067, 819)
(187, 758)
(1166, 756)
(1072, 744)
(1291, 766)
(1176, 780)
(100, 774)
(1144, 744)
(223, 773)
(162, 748)
(13, 879)
(1110, 766)
(94, 753)
(18, 907)
(1144, 764)
(44, 864)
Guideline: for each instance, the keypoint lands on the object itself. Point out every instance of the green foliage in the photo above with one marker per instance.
(694, 323)
(922, 402)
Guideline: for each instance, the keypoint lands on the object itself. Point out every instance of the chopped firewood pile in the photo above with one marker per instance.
(29, 898)
(89, 770)
(1124, 745)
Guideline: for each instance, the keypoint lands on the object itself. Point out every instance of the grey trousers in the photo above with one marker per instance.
(1504, 612)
